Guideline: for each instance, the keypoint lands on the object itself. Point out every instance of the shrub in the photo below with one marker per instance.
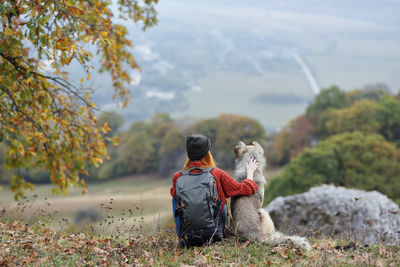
(352, 160)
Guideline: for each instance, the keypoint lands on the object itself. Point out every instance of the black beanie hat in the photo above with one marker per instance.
(197, 146)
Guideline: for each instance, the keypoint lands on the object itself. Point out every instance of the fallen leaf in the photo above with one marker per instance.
(245, 244)
(99, 250)
(281, 251)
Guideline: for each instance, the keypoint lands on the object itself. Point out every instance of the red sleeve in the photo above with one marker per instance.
(232, 188)
(173, 188)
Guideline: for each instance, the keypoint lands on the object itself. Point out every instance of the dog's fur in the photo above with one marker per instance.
(250, 221)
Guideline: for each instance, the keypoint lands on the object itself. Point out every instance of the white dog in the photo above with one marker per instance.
(250, 221)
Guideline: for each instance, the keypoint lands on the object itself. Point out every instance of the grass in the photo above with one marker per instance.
(129, 234)
(39, 245)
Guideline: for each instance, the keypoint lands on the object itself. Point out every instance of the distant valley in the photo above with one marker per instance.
(265, 60)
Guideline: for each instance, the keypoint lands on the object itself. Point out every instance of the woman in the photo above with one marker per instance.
(199, 156)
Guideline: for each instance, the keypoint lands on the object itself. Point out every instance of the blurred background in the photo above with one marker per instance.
(315, 82)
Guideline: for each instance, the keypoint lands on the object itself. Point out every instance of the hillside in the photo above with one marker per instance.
(44, 232)
(38, 245)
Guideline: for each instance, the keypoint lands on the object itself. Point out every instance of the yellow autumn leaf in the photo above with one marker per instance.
(88, 77)
(11, 152)
(21, 150)
(115, 141)
(104, 34)
(29, 186)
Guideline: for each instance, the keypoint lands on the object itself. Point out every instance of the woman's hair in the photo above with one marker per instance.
(207, 161)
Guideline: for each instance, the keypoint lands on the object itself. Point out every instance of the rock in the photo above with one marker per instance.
(367, 217)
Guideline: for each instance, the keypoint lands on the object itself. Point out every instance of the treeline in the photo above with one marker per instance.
(158, 145)
(349, 139)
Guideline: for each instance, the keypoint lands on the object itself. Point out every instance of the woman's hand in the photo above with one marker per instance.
(251, 166)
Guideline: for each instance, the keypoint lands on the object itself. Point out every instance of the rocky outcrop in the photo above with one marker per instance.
(367, 217)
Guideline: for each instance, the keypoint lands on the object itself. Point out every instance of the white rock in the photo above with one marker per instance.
(367, 217)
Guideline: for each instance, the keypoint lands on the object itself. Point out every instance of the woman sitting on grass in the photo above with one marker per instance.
(199, 193)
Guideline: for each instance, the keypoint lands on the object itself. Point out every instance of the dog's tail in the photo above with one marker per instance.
(278, 238)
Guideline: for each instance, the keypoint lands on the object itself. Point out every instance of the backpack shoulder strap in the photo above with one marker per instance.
(203, 170)
(207, 170)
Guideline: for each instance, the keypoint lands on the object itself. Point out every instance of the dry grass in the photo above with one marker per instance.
(39, 245)
(148, 196)
(130, 232)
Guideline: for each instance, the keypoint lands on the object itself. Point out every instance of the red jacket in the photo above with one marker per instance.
(226, 186)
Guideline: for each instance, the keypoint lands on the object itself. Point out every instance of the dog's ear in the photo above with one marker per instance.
(239, 149)
(257, 146)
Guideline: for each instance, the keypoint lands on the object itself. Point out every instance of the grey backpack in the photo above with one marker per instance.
(198, 207)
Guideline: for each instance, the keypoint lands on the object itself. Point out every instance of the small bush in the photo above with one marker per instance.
(352, 160)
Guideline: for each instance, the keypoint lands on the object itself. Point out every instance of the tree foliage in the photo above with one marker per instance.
(111, 119)
(158, 145)
(362, 116)
(142, 148)
(47, 120)
(300, 133)
(225, 132)
(367, 116)
(137, 152)
(389, 117)
(172, 152)
(335, 111)
(293, 139)
(359, 95)
(353, 160)
(5, 174)
(330, 98)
